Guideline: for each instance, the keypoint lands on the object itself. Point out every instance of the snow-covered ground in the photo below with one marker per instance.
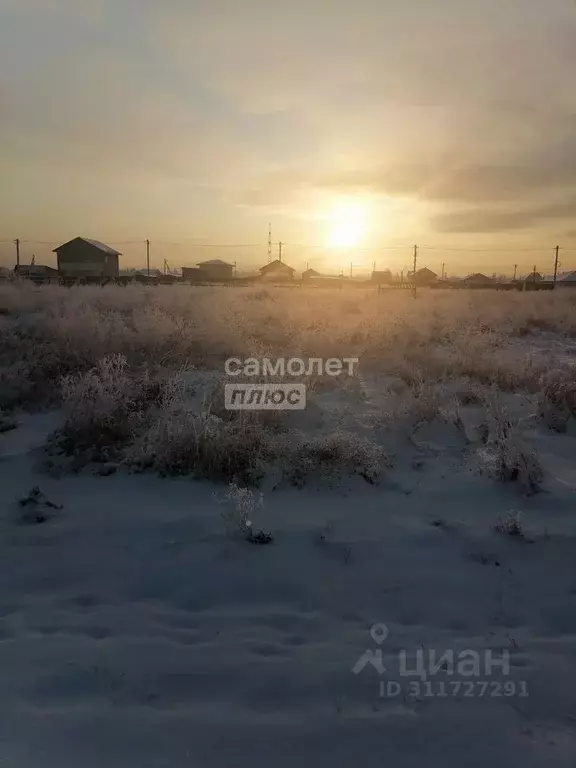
(417, 605)
(134, 631)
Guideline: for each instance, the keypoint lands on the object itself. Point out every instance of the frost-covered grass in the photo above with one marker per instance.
(54, 330)
(128, 364)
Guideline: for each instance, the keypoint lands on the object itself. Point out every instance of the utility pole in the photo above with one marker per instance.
(269, 243)
(279, 251)
(443, 274)
(148, 257)
(534, 275)
(515, 268)
(556, 265)
(17, 244)
(414, 270)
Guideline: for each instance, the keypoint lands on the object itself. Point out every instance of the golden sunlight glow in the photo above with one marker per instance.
(347, 222)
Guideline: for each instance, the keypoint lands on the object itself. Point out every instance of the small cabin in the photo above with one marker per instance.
(423, 276)
(381, 277)
(216, 270)
(84, 258)
(277, 270)
(478, 280)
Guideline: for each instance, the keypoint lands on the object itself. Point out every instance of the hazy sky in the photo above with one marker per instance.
(452, 121)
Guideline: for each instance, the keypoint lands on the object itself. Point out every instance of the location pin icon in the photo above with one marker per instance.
(379, 633)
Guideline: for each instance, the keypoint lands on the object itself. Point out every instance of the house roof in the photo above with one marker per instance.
(569, 278)
(140, 272)
(35, 269)
(96, 243)
(153, 272)
(311, 273)
(478, 276)
(214, 263)
(276, 264)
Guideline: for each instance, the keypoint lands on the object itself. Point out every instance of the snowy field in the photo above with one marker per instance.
(417, 603)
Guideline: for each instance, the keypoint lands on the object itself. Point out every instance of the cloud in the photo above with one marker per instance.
(323, 55)
(90, 9)
(549, 164)
(519, 180)
(530, 183)
(273, 104)
(497, 220)
(457, 108)
(104, 117)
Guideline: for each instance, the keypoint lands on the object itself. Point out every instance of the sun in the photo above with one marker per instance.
(347, 223)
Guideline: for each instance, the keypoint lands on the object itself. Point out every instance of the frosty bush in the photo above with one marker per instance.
(507, 457)
(104, 407)
(181, 442)
(557, 398)
(240, 506)
(338, 453)
(421, 403)
(511, 525)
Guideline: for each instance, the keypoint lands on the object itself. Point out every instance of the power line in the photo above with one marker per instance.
(485, 250)
(310, 246)
(59, 242)
(209, 245)
(356, 250)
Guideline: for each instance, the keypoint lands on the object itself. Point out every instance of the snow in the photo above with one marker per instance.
(135, 632)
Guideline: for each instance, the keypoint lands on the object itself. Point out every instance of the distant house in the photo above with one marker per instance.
(568, 281)
(216, 270)
(381, 277)
(316, 279)
(277, 270)
(38, 273)
(533, 277)
(139, 275)
(193, 274)
(82, 258)
(478, 280)
(424, 276)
